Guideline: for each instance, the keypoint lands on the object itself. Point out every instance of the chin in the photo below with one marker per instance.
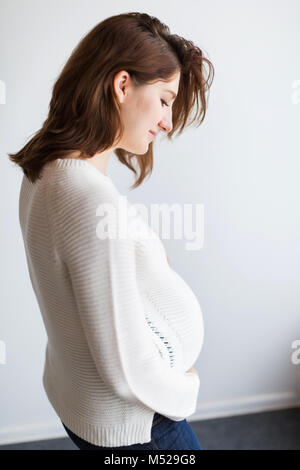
(136, 149)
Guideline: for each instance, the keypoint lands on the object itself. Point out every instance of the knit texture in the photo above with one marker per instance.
(122, 326)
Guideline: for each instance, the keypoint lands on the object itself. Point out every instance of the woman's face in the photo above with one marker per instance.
(142, 109)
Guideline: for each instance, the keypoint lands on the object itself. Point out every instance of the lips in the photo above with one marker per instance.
(153, 133)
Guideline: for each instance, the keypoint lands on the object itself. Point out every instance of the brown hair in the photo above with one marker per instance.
(84, 112)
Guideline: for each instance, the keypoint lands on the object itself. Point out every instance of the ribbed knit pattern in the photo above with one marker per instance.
(122, 326)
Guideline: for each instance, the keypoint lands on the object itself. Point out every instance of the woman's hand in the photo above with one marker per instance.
(192, 369)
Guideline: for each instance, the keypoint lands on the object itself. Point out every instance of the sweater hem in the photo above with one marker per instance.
(137, 432)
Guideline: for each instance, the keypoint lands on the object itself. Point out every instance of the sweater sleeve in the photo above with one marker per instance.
(102, 272)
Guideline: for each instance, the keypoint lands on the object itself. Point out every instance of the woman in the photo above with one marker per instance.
(123, 328)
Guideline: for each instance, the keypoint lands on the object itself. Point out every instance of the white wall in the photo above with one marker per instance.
(242, 164)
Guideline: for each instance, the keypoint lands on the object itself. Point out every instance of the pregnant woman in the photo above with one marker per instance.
(123, 328)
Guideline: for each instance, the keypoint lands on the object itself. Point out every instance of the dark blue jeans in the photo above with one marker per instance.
(165, 434)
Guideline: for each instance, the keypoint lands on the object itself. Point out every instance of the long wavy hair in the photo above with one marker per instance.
(84, 114)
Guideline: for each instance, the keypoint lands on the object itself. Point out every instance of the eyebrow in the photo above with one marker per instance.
(172, 92)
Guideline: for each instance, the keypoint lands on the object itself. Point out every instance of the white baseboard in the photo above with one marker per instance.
(245, 405)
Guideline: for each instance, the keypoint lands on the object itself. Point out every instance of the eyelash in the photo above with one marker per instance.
(163, 101)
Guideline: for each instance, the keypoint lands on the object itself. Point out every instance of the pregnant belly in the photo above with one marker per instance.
(175, 303)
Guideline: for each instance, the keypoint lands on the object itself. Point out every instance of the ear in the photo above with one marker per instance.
(121, 84)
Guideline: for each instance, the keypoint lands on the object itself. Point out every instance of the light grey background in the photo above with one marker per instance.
(242, 164)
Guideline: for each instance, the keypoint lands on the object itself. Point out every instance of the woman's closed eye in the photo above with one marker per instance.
(163, 101)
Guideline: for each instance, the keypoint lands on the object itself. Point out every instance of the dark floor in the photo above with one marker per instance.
(279, 430)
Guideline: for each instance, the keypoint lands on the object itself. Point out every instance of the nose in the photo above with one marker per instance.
(166, 125)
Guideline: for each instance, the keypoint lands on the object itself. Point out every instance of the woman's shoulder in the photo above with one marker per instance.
(78, 179)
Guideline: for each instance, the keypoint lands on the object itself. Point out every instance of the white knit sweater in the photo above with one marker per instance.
(123, 327)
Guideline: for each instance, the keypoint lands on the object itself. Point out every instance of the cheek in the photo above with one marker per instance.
(152, 110)
(144, 114)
